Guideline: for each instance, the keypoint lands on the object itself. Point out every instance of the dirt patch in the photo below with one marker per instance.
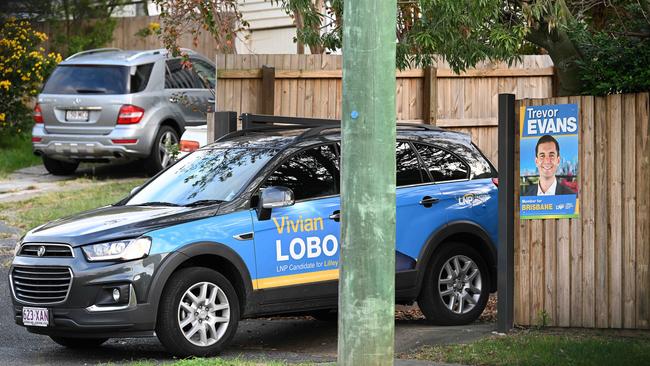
(414, 313)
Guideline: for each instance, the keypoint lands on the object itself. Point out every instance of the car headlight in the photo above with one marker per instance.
(18, 244)
(120, 249)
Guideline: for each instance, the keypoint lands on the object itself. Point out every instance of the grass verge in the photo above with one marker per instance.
(558, 348)
(53, 205)
(16, 153)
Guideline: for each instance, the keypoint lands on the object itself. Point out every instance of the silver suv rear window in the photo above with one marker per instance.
(97, 79)
(91, 79)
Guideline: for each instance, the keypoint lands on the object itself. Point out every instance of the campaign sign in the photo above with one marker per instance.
(548, 162)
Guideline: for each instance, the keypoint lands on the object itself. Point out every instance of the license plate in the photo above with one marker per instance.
(36, 317)
(77, 116)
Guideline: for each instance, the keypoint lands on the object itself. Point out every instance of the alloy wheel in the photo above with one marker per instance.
(166, 141)
(204, 314)
(459, 284)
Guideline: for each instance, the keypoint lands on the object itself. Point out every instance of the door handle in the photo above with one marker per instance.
(336, 216)
(428, 201)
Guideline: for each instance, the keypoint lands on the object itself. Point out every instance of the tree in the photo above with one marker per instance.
(318, 23)
(75, 25)
(466, 32)
(615, 48)
(220, 18)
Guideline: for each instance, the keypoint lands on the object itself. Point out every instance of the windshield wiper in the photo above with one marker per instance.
(203, 203)
(158, 204)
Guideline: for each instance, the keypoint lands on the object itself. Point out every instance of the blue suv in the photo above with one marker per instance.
(249, 226)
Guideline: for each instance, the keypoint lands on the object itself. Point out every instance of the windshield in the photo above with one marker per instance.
(204, 176)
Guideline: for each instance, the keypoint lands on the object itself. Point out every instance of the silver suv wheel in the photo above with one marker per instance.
(166, 141)
(204, 314)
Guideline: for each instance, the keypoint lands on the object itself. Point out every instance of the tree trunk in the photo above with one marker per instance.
(317, 49)
(300, 47)
(564, 55)
(66, 22)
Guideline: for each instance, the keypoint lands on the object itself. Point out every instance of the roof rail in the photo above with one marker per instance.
(258, 120)
(256, 129)
(316, 131)
(142, 53)
(159, 51)
(423, 126)
(314, 126)
(96, 50)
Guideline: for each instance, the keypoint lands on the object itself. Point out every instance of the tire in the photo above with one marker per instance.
(175, 324)
(58, 167)
(79, 342)
(440, 286)
(160, 158)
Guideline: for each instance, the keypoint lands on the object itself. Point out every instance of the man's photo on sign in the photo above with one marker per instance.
(553, 175)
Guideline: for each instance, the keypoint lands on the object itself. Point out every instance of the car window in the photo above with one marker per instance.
(179, 77)
(88, 79)
(205, 71)
(214, 174)
(408, 166)
(140, 77)
(310, 173)
(442, 165)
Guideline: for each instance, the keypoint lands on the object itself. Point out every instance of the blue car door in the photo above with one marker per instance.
(299, 244)
(463, 199)
(418, 212)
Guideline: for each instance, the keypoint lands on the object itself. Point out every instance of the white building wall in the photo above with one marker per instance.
(271, 30)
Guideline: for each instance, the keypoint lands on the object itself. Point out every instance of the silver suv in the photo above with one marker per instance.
(108, 104)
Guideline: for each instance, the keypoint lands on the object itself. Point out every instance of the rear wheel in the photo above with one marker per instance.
(198, 314)
(79, 342)
(161, 156)
(58, 167)
(456, 286)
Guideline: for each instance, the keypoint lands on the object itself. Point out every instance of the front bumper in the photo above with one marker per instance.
(92, 147)
(83, 312)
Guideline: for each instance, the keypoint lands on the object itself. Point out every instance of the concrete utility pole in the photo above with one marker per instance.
(367, 272)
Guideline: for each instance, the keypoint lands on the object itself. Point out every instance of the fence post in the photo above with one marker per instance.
(506, 261)
(430, 97)
(220, 124)
(267, 99)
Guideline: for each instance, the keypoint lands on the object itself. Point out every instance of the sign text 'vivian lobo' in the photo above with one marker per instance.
(548, 161)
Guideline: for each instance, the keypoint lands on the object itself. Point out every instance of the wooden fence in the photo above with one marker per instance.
(593, 271)
(310, 86)
(124, 36)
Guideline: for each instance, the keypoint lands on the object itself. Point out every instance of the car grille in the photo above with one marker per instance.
(46, 250)
(41, 285)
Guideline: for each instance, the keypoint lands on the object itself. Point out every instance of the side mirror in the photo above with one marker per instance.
(134, 190)
(273, 197)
